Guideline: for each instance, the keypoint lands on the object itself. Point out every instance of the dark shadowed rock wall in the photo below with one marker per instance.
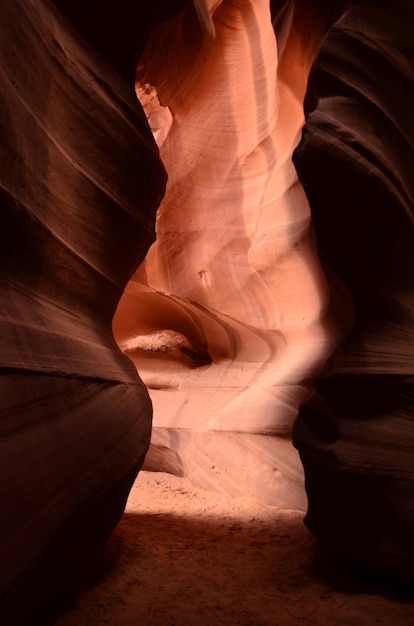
(356, 162)
(80, 182)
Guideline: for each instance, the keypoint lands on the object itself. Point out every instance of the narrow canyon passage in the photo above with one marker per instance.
(185, 556)
(249, 321)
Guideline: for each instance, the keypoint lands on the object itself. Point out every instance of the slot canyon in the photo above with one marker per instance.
(207, 310)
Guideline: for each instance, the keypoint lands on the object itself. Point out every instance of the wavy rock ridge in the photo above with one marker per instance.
(232, 314)
(234, 270)
(356, 158)
(75, 418)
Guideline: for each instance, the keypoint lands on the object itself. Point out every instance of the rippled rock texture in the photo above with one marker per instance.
(75, 418)
(356, 160)
(229, 317)
(232, 315)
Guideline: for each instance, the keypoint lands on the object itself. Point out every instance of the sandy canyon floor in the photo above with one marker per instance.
(183, 556)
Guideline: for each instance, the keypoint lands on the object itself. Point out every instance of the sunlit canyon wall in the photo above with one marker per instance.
(243, 306)
(229, 316)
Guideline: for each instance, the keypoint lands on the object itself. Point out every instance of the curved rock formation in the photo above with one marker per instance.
(75, 418)
(232, 314)
(356, 160)
(229, 316)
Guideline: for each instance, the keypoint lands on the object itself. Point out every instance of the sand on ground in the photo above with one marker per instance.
(184, 556)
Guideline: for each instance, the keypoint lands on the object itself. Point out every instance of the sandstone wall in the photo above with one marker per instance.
(75, 418)
(356, 160)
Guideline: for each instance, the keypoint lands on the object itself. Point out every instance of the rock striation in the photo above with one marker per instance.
(355, 161)
(241, 301)
(75, 418)
(229, 316)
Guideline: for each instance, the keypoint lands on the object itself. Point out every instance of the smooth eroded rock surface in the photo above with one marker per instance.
(75, 418)
(242, 299)
(356, 160)
(229, 317)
